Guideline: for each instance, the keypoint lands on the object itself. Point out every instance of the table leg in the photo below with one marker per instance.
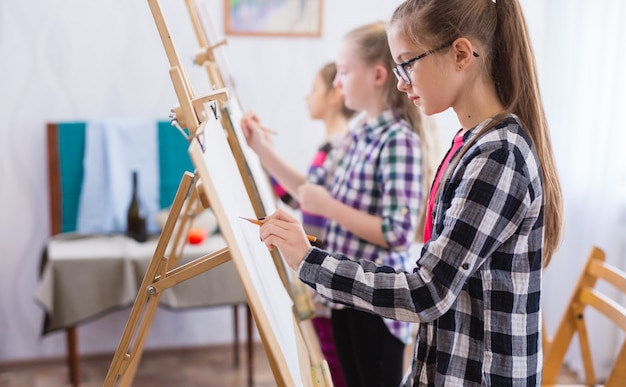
(250, 347)
(236, 333)
(72, 356)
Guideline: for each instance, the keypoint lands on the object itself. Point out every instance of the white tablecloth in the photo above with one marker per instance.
(84, 277)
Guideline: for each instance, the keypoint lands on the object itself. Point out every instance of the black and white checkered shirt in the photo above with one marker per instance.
(476, 292)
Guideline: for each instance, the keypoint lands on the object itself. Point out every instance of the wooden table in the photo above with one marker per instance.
(87, 276)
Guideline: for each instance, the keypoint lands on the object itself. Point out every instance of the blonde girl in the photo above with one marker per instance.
(372, 200)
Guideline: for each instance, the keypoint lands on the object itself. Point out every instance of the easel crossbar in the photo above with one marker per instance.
(189, 270)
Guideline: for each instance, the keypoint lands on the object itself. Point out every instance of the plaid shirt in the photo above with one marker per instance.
(313, 224)
(378, 171)
(476, 291)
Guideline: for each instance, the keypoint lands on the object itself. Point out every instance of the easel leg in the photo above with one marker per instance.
(130, 348)
(142, 334)
(162, 273)
(72, 356)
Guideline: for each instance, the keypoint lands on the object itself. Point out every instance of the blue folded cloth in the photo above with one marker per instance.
(114, 148)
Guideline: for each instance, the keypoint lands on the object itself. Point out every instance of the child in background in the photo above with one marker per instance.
(325, 103)
(373, 198)
(497, 206)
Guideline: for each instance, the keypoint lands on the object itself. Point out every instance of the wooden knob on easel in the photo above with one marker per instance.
(202, 56)
(204, 198)
(205, 54)
(178, 116)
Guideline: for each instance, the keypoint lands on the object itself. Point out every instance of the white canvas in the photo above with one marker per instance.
(219, 175)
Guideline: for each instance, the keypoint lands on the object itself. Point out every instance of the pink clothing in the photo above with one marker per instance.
(324, 330)
(456, 145)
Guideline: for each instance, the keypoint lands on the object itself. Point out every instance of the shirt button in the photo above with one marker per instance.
(378, 261)
(465, 266)
(404, 210)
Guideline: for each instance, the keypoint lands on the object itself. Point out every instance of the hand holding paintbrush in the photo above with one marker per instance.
(283, 231)
(313, 240)
(257, 136)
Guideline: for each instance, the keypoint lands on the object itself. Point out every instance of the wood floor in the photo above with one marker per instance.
(197, 367)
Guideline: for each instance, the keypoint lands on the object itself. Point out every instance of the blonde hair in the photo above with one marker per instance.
(372, 47)
(500, 29)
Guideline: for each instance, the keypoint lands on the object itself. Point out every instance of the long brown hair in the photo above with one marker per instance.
(328, 72)
(500, 29)
(371, 45)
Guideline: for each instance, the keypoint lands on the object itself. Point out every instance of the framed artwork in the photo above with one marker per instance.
(287, 18)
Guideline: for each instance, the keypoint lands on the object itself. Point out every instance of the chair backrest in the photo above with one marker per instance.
(573, 321)
(66, 149)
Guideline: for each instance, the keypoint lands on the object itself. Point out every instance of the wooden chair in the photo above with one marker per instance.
(65, 145)
(573, 322)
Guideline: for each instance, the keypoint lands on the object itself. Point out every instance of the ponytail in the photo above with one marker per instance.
(514, 71)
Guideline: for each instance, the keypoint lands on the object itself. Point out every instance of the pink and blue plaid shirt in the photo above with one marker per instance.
(377, 171)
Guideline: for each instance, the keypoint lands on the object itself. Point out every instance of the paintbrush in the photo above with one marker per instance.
(313, 240)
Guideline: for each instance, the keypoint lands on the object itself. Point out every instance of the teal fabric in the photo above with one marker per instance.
(71, 138)
(174, 160)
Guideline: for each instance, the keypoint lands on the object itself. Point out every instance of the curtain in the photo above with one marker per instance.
(583, 83)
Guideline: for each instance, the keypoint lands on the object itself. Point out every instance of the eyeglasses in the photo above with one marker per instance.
(401, 70)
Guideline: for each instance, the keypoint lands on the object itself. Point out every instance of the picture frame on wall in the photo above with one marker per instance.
(276, 18)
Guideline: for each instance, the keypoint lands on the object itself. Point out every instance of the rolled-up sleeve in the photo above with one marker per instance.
(400, 175)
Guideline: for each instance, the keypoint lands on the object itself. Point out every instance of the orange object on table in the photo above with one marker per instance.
(196, 235)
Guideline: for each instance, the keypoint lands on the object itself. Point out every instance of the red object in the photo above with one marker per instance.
(456, 145)
(196, 235)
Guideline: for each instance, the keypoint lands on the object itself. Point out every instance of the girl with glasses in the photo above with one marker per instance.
(371, 191)
(495, 209)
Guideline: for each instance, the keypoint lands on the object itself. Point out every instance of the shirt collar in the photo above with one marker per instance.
(475, 130)
(374, 127)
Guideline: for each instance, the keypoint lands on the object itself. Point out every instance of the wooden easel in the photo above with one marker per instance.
(163, 273)
(207, 57)
(308, 354)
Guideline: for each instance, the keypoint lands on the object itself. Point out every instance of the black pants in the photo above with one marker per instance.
(369, 354)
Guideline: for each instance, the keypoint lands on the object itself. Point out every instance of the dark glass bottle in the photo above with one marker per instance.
(136, 225)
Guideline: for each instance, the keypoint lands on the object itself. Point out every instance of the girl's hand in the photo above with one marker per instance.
(285, 232)
(314, 199)
(256, 135)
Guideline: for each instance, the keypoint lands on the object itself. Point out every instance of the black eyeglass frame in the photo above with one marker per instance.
(401, 72)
